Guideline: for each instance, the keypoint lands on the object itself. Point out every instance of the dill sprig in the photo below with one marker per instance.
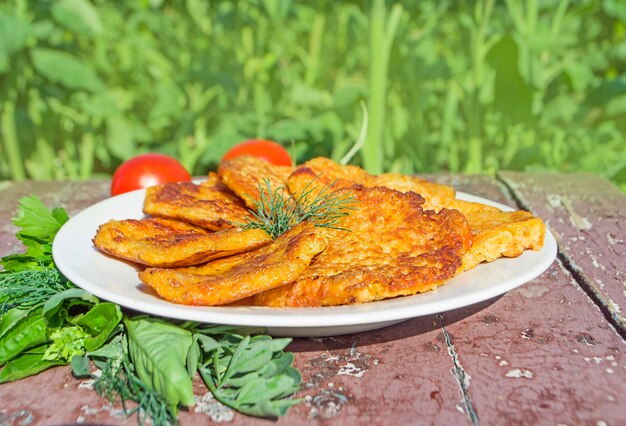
(118, 379)
(276, 212)
(30, 288)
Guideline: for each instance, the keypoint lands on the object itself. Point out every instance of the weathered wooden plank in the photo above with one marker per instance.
(587, 216)
(542, 354)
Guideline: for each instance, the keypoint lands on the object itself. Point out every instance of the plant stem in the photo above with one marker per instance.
(10, 141)
(315, 48)
(381, 40)
(447, 131)
(86, 154)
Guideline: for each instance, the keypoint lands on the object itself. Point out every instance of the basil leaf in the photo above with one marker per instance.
(27, 364)
(55, 309)
(99, 322)
(158, 351)
(110, 350)
(10, 318)
(80, 367)
(26, 333)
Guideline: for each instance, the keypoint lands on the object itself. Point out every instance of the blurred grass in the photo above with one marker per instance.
(461, 86)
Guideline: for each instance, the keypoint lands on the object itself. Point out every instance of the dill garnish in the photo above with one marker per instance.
(118, 379)
(276, 212)
(30, 287)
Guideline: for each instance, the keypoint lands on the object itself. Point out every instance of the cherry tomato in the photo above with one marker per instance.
(268, 150)
(147, 170)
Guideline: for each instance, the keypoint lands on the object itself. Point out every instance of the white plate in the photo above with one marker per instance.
(116, 281)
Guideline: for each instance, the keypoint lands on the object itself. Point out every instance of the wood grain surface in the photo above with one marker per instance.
(544, 353)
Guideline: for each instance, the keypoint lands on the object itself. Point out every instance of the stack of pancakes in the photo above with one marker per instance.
(401, 235)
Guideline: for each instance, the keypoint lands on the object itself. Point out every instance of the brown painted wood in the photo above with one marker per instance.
(587, 216)
(543, 353)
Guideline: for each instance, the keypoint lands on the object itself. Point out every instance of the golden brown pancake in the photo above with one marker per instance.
(244, 174)
(167, 243)
(495, 233)
(324, 172)
(211, 205)
(393, 248)
(228, 280)
(498, 233)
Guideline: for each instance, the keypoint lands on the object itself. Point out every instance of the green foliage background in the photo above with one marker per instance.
(461, 86)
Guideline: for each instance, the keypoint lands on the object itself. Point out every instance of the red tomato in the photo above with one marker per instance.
(147, 170)
(268, 150)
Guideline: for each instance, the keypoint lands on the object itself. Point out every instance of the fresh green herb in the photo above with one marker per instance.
(30, 288)
(158, 351)
(119, 380)
(66, 342)
(25, 333)
(36, 221)
(45, 321)
(276, 211)
(27, 364)
(249, 374)
(38, 228)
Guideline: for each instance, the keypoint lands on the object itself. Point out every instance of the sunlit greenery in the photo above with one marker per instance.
(462, 86)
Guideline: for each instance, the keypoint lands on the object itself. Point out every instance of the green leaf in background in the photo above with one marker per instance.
(615, 9)
(14, 32)
(66, 69)
(159, 352)
(601, 95)
(120, 140)
(79, 16)
(513, 96)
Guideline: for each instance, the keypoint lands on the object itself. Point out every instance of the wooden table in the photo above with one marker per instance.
(549, 352)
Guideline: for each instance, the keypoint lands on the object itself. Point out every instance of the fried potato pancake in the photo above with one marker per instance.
(392, 248)
(495, 233)
(325, 172)
(167, 243)
(211, 205)
(498, 233)
(228, 280)
(244, 174)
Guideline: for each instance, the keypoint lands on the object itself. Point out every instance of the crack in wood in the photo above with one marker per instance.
(613, 317)
(459, 374)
